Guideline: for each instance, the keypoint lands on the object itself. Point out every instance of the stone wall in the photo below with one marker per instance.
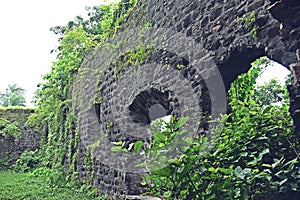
(16, 140)
(180, 57)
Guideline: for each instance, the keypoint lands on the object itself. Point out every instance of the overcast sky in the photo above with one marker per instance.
(26, 41)
(274, 71)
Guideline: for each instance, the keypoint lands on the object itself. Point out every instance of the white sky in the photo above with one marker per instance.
(274, 71)
(26, 41)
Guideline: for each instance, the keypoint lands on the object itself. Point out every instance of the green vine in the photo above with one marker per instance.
(249, 23)
(55, 111)
(9, 128)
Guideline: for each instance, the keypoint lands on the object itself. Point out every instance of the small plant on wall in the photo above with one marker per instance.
(249, 23)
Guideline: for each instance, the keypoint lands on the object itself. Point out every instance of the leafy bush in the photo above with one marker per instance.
(2, 164)
(56, 178)
(28, 161)
(9, 128)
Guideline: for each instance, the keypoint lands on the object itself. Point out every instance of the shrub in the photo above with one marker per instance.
(9, 128)
(28, 161)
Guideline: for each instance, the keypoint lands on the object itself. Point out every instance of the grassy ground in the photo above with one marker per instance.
(24, 186)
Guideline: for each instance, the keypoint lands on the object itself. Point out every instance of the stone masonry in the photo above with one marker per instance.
(196, 49)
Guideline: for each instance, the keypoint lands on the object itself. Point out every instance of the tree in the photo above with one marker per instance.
(271, 93)
(92, 25)
(13, 96)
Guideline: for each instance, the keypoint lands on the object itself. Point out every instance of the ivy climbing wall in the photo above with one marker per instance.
(15, 136)
(173, 58)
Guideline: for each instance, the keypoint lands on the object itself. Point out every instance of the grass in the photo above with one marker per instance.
(25, 186)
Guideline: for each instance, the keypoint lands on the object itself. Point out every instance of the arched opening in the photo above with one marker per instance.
(152, 104)
(258, 132)
(269, 82)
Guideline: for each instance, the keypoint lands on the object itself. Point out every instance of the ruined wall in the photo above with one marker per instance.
(180, 56)
(15, 137)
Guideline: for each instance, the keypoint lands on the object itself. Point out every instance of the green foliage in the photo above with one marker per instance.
(92, 25)
(249, 23)
(94, 145)
(54, 177)
(35, 186)
(137, 146)
(118, 148)
(12, 125)
(13, 96)
(53, 99)
(256, 156)
(80, 37)
(9, 128)
(115, 14)
(271, 93)
(261, 62)
(138, 56)
(55, 112)
(28, 161)
(180, 66)
(158, 125)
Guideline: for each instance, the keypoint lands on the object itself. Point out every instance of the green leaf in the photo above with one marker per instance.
(118, 143)
(277, 162)
(174, 160)
(226, 171)
(213, 170)
(265, 151)
(247, 170)
(189, 140)
(159, 137)
(282, 182)
(118, 149)
(267, 165)
(243, 154)
(164, 172)
(137, 146)
(143, 183)
(252, 102)
(182, 132)
(185, 169)
(291, 163)
(262, 138)
(181, 122)
(238, 171)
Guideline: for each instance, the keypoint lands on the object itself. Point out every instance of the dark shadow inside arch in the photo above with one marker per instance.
(149, 105)
(238, 63)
